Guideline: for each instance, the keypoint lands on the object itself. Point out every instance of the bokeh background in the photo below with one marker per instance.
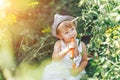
(26, 43)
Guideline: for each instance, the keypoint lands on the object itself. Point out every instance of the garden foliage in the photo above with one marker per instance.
(98, 26)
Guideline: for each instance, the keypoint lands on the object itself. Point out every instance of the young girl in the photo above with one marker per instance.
(64, 28)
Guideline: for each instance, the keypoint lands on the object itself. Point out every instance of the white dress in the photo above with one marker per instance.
(61, 70)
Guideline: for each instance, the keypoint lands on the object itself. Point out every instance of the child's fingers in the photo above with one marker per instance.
(70, 53)
(71, 45)
(74, 72)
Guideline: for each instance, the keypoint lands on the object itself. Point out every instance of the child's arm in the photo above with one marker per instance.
(57, 53)
(84, 61)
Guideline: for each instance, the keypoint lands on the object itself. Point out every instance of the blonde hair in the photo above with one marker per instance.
(64, 26)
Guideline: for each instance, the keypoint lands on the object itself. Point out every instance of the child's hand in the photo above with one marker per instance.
(71, 48)
(75, 72)
(71, 45)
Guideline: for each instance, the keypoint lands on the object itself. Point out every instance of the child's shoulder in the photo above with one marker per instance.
(80, 42)
(83, 45)
(58, 43)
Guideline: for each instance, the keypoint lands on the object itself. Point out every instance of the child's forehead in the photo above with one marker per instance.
(65, 25)
(63, 29)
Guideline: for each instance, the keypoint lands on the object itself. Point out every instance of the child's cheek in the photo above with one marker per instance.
(75, 33)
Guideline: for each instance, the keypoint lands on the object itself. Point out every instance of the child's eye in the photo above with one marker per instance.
(66, 33)
(72, 29)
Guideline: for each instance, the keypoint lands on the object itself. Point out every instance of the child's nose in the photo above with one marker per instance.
(72, 34)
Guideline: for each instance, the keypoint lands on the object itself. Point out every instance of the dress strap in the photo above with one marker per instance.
(79, 45)
(62, 45)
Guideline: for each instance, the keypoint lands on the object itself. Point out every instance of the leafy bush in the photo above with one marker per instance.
(101, 21)
(106, 64)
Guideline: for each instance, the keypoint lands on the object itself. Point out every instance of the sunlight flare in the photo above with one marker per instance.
(4, 4)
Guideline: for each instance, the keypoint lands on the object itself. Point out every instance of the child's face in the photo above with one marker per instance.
(67, 31)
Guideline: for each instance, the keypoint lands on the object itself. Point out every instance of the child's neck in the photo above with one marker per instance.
(65, 42)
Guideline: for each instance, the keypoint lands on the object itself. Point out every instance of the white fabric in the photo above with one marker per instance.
(61, 70)
(56, 71)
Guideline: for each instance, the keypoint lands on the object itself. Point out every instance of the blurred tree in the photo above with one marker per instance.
(31, 28)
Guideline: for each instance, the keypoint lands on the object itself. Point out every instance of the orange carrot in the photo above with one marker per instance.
(72, 55)
(73, 65)
(72, 50)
